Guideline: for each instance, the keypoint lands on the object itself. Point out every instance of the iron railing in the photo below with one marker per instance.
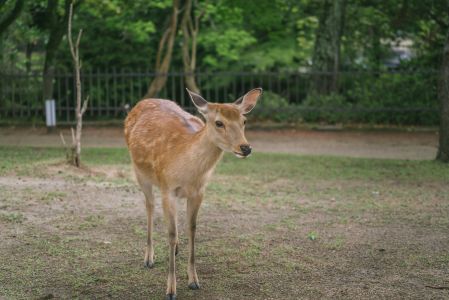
(111, 90)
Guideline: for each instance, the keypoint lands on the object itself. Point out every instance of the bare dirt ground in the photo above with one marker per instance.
(370, 144)
(272, 227)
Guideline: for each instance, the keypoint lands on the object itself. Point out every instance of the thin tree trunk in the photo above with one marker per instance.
(443, 92)
(326, 55)
(190, 28)
(80, 110)
(164, 54)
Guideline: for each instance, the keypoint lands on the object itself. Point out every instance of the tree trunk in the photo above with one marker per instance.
(326, 55)
(443, 92)
(57, 28)
(164, 54)
(48, 73)
(190, 29)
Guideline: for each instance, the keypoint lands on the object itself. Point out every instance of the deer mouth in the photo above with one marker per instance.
(240, 155)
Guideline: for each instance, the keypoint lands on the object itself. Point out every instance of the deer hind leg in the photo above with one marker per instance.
(193, 205)
(147, 189)
(170, 214)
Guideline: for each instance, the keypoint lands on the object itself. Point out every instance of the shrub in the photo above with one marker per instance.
(272, 107)
(395, 98)
(331, 108)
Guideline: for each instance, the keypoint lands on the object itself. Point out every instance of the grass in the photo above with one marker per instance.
(13, 217)
(271, 225)
(280, 165)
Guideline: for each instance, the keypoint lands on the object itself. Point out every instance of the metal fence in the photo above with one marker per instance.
(109, 91)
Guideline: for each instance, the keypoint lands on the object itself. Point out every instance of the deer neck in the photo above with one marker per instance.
(204, 152)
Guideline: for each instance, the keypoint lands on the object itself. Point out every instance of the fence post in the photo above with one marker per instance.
(50, 114)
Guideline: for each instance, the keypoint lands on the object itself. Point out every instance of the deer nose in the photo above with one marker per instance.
(246, 149)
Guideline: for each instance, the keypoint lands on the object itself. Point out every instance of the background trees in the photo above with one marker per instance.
(249, 35)
(279, 36)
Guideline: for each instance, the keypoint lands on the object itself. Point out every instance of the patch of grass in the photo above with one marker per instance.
(308, 168)
(336, 244)
(305, 168)
(12, 217)
(22, 159)
(140, 232)
(52, 196)
(19, 158)
(312, 235)
(92, 221)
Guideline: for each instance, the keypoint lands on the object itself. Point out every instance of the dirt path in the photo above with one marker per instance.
(370, 144)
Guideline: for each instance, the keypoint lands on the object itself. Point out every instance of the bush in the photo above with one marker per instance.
(396, 98)
(273, 107)
(331, 108)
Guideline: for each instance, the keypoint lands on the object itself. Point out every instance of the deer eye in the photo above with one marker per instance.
(244, 122)
(219, 124)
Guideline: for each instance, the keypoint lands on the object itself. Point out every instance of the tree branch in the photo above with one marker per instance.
(69, 33)
(84, 108)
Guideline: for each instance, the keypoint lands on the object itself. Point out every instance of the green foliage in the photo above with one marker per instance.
(415, 94)
(272, 55)
(256, 35)
(127, 30)
(385, 98)
(306, 34)
(225, 46)
(272, 107)
(325, 108)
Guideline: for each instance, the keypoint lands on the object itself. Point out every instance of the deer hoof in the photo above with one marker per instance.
(148, 264)
(170, 297)
(194, 286)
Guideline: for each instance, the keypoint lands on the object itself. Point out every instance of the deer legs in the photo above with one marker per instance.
(169, 207)
(193, 205)
(170, 215)
(147, 189)
(149, 251)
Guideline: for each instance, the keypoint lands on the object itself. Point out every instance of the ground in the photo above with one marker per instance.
(272, 226)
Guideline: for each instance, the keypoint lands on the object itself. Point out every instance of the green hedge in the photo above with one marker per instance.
(384, 99)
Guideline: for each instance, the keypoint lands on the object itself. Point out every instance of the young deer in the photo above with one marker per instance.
(177, 152)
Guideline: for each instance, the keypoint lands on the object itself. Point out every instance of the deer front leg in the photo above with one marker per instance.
(193, 205)
(169, 207)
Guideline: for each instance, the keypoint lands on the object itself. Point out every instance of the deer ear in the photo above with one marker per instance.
(247, 102)
(199, 102)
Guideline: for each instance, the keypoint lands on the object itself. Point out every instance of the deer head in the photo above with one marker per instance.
(225, 123)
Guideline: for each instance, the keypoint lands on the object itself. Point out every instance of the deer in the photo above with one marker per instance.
(177, 152)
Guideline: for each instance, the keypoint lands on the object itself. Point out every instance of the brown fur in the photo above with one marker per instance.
(177, 152)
